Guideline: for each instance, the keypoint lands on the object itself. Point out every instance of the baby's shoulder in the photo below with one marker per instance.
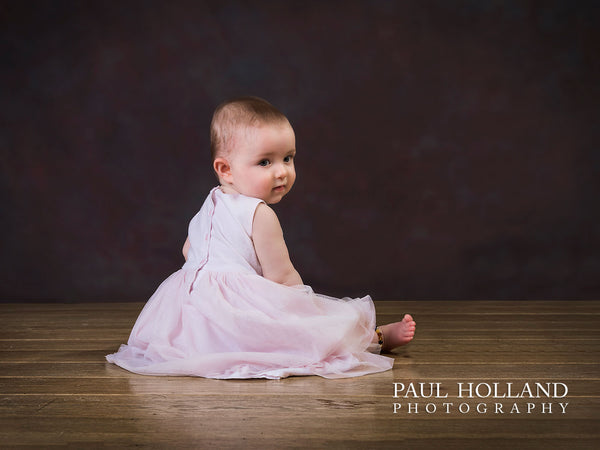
(265, 220)
(264, 212)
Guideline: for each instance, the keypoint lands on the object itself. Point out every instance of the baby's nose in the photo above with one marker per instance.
(280, 171)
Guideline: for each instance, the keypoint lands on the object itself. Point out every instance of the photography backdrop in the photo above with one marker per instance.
(446, 149)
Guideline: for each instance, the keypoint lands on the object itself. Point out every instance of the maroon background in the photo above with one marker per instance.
(446, 150)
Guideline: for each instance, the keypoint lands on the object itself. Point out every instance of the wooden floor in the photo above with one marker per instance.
(57, 389)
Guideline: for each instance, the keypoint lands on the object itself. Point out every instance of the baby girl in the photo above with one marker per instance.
(238, 308)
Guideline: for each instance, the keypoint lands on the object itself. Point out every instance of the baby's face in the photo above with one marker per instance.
(262, 164)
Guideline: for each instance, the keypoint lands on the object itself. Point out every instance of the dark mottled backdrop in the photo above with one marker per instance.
(447, 149)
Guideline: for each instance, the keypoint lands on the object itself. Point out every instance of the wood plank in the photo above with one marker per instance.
(413, 370)
(372, 386)
(534, 344)
(485, 306)
(179, 405)
(425, 330)
(474, 354)
(424, 343)
(383, 305)
(447, 332)
(252, 427)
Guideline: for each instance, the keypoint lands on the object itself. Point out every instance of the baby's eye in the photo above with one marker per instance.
(288, 159)
(263, 162)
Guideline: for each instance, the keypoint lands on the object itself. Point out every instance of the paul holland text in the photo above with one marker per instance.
(481, 398)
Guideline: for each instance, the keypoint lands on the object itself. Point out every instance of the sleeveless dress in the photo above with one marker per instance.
(218, 317)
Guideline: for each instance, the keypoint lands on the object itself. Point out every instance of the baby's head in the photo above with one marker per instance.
(233, 118)
(253, 148)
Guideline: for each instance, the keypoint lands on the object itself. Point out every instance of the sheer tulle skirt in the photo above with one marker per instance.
(238, 325)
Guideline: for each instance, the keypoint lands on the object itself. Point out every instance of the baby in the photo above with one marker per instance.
(238, 308)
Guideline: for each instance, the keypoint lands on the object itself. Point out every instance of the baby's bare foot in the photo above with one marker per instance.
(398, 333)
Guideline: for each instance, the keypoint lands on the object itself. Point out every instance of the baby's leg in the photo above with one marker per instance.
(397, 333)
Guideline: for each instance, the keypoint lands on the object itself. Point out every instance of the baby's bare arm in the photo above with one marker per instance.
(186, 248)
(270, 248)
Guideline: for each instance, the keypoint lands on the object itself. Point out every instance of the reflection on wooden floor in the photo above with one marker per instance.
(56, 388)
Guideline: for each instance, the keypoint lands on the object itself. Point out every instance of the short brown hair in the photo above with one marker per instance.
(234, 114)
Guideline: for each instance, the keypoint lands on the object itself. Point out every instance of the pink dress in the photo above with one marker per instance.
(218, 317)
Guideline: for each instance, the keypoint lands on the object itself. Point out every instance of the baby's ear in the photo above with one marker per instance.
(223, 169)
